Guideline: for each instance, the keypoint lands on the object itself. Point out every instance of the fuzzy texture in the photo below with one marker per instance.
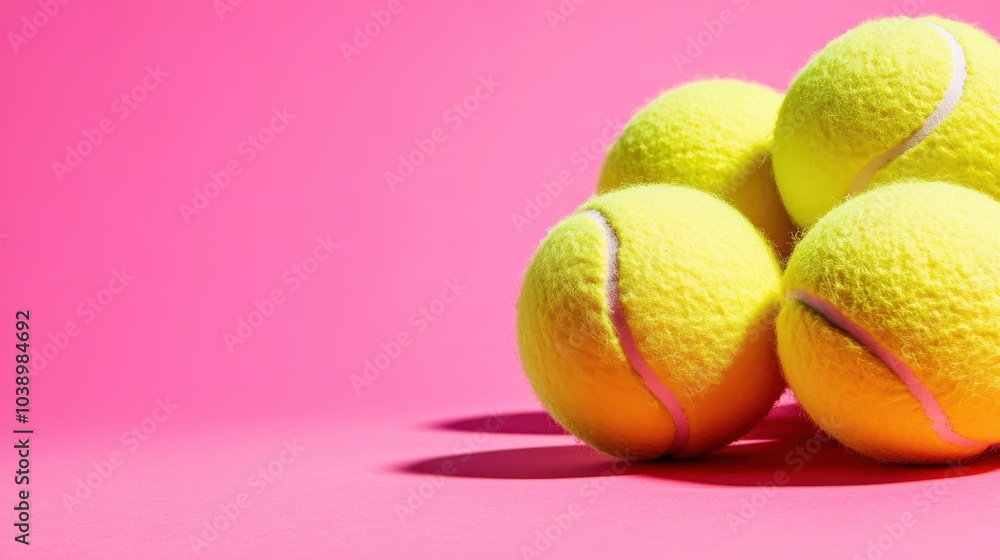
(917, 266)
(699, 289)
(713, 135)
(868, 92)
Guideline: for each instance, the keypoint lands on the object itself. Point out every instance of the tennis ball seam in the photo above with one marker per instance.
(635, 359)
(840, 321)
(949, 101)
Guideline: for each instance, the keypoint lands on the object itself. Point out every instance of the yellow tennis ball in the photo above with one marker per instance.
(713, 135)
(645, 323)
(892, 100)
(890, 331)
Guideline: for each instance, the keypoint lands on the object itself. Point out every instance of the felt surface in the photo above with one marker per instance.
(713, 135)
(917, 267)
(868, 92)
(699, 308)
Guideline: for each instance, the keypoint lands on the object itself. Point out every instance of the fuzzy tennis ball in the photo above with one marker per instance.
(892, 100)
(890, 331)
(713, 135)
(645, 323)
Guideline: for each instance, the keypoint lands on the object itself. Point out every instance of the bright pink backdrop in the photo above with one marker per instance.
(554, 80)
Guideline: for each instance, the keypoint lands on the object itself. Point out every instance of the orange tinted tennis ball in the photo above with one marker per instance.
(890, 334)
(645, 323)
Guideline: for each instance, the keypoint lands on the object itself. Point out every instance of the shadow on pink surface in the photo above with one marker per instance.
(785, 449)
(528, 423)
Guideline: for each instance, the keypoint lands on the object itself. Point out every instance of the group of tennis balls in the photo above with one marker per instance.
(660, 319)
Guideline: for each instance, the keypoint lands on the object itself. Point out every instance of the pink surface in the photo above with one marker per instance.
(245, 304)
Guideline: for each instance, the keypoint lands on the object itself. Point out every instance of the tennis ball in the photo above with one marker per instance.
(892, 100)
(713, 135)
(645, 323)
(890, 331)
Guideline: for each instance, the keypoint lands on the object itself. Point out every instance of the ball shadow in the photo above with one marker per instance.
(527, 423)
(784, 450)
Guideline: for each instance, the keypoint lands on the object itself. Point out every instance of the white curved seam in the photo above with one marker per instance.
(952, 96)
(631, 349)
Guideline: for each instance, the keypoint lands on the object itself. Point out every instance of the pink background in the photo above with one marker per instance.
(348, 463)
